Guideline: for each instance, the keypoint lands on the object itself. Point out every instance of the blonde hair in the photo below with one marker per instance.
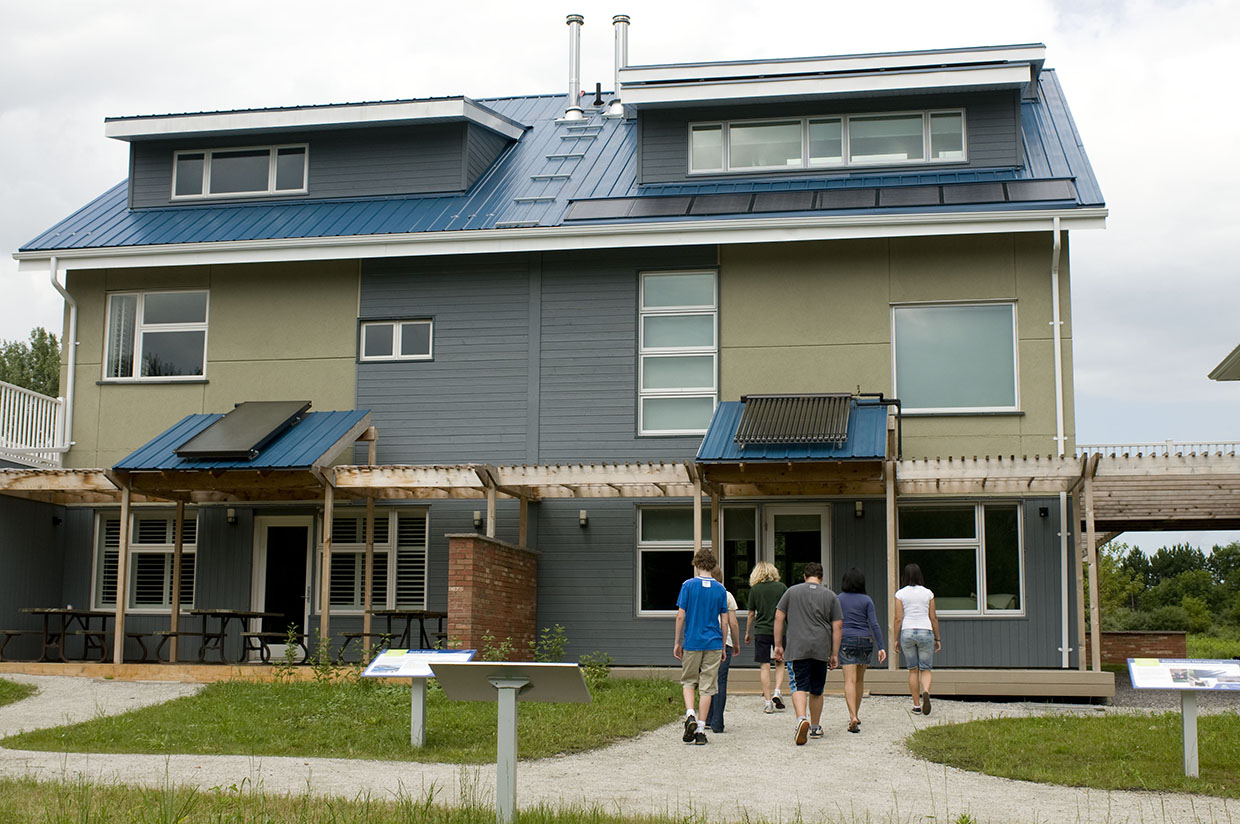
(763, 571)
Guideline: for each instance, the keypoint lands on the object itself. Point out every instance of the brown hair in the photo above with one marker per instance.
(704, 559)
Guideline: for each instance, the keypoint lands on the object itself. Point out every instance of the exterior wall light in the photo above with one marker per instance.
(230, 515)
(859, 509)
(583, 518)
(477, 519)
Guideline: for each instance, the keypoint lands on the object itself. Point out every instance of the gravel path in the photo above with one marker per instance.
(754, 769)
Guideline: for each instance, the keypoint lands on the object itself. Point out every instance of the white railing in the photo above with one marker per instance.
(31, 426)
(1160, 448)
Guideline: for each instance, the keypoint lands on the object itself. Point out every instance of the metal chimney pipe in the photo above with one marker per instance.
(574, 110)
(621, 24)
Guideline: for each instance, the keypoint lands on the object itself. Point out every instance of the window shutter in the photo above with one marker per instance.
(411, 561)
(107, 574)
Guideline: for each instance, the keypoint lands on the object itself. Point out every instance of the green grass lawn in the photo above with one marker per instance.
(1110, 752)
(359, 720)
(11, 691)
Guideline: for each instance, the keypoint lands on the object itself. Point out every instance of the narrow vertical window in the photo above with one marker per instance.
(677, 351)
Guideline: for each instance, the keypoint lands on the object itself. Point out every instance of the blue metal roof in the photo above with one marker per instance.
(298, 448)
(535, 180)
(867, 438)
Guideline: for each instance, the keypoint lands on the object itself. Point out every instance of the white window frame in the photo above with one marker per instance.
(726, 125)
(205, 188)
(644, 352)
(663, 546)
(134, 549)
(960, 410)
(389, 549)
(978, 544)
(135, 368)
(397, 332)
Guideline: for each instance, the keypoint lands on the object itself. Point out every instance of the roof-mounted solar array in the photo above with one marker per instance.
(242, 433)
(810, 200)
(794, 419)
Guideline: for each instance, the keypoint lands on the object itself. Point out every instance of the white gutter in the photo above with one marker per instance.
(1065, 544)
(70, 342)
(574, 237)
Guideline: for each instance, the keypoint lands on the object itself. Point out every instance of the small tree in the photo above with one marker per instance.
(34, 365)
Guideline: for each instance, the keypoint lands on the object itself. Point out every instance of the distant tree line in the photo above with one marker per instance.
(1176, 588)
(33, 365)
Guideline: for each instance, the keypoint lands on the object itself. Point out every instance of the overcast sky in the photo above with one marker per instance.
(1154, 295)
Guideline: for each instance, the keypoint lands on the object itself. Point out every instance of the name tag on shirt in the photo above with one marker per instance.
(706, 583)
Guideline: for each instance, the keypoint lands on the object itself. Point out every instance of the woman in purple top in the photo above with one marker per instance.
(860, 634)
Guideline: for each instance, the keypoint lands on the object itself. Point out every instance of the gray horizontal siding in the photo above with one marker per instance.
(31, 567)
(343, 163)
(469, 402)
(483, 147)
(992, 127)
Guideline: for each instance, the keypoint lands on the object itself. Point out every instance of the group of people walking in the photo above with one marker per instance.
(804, 630)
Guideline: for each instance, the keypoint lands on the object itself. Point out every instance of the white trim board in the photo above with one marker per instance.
(542, 239)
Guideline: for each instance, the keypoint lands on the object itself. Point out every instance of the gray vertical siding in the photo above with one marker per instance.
(991, 118)
(31, 567)
(441, 157)
(861, 543)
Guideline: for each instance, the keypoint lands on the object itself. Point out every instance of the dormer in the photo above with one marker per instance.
(906, 112)
(407, 147)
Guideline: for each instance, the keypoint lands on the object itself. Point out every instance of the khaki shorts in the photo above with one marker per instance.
(700, 668)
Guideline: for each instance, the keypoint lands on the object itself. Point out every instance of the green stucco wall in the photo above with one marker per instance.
(275, 332)
(816, 317)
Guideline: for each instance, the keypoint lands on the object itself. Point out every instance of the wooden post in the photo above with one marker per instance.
(178, 540)
(893, 572)
(1095, 611)
(122, 582)
(714, 527)
(491, 511)
(368, 591)
(1078, 544)
(325, 566)
(697, 513)
(524, 522)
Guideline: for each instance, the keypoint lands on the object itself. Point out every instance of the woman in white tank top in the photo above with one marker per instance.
(917, 635)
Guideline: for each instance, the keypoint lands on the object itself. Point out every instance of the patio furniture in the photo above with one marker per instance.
(61, 622)
(213, 640)
(261, 642)
(407, 617)
(7, 635)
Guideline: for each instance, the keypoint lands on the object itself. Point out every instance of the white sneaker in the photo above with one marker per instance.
(769, 708)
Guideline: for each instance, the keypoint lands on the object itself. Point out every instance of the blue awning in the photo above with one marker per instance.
(299, 447)
(866, 441)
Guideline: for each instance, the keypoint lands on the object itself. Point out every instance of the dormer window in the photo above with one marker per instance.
(240, 172)
(825, 142)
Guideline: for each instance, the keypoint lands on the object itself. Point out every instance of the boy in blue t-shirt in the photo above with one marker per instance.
(701, 616)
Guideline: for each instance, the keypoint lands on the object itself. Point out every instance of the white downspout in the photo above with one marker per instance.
(70, 342)
(1065, 542)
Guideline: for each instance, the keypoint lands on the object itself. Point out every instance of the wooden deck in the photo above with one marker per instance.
(1005, 683)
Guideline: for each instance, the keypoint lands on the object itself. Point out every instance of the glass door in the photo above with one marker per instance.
(796, 535)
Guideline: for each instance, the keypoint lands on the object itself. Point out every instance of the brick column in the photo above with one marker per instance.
(492, 590)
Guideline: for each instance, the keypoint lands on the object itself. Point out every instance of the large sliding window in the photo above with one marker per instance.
(156, 335)
(955, 357)
(820, 142)
(254, 170)
(400, 554)
(677, 350)
(969, 553)
(151, 547)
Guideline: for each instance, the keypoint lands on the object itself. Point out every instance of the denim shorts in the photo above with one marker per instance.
(856, 649)
(811, 675)
(917, 646)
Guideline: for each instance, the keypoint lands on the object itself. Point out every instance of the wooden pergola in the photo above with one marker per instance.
(1110, 495)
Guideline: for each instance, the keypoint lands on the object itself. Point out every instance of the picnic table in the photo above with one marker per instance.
(213, 639)
(406, 617)
(59, 623)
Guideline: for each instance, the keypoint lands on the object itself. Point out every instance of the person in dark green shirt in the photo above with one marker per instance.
(765, 590)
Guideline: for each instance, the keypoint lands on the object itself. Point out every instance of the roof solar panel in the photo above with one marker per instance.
(783, 201)
(660, 206)
(731, 204)
(973, 193)
(595, 209)
(1041, 190)
(794, 419)
(847, 199)
(242, 433)
(909, 196)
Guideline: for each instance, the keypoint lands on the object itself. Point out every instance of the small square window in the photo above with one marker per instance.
(396, 340)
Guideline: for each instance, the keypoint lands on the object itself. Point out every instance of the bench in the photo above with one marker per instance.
(382, 640)
(93, 639)
(7, 635)
(164, 635)
(260, 642)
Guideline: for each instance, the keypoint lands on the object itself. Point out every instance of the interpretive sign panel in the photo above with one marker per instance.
(414, 663)
(1184, 674)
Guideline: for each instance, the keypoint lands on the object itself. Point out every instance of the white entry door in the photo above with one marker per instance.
(795, 535)
(283, 554)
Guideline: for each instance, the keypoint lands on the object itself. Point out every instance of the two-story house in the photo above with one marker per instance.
(561, 282)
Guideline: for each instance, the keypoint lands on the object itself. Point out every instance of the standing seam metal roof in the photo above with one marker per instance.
(514, 190)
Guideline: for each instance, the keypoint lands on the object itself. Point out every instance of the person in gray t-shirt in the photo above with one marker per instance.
(814, 620)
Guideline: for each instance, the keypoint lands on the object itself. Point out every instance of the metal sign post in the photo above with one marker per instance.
(1189, 676)
(509, 683)
(1188, 721)
(415, 665)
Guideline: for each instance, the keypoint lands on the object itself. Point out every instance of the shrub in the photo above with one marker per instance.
(596, 667)
(1168, 619)
(1200, 617)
